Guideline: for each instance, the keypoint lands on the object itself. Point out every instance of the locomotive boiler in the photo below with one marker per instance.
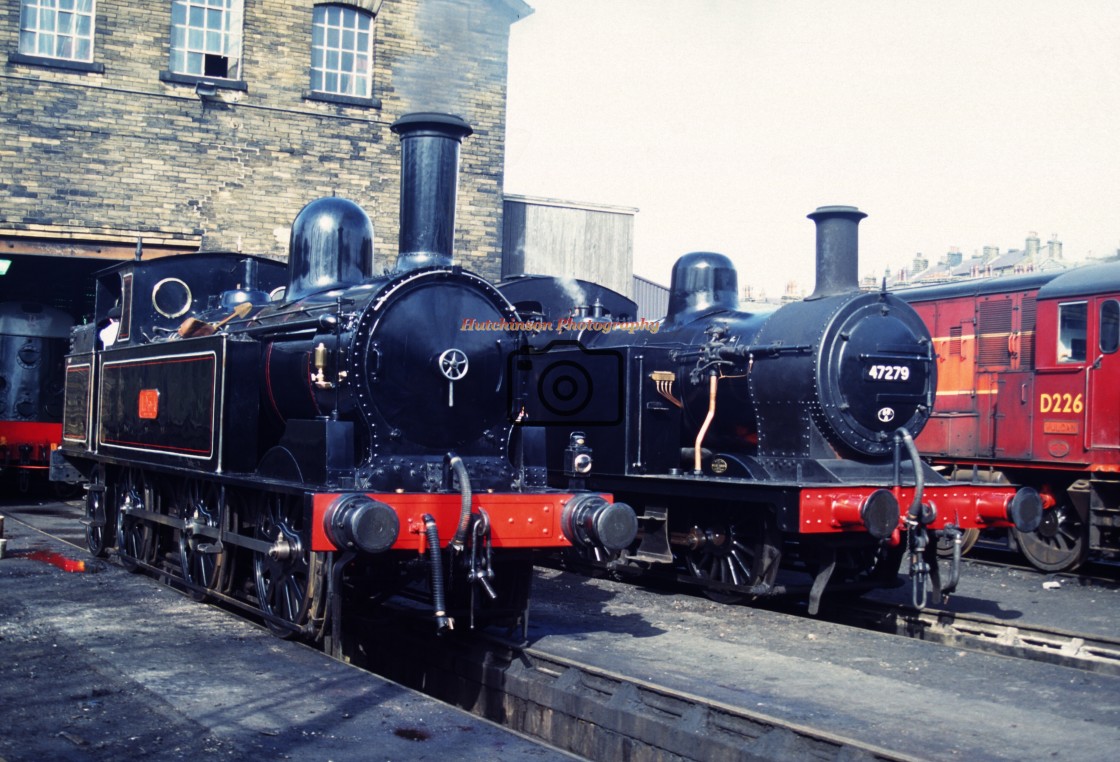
(33, 342)
(753, 443)
(319, 439)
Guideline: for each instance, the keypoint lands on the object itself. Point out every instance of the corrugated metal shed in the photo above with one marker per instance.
(542, 236)
(652, 298)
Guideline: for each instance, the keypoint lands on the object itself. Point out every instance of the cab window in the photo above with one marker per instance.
(1110, 326)
(1072, 319)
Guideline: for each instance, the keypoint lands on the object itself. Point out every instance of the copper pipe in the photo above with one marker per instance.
(707, 421)
(663, 379)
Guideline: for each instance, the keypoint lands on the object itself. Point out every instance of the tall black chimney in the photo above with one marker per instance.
(837, 250)
(429, 181)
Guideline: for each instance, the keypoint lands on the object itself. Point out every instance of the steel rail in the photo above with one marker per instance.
(1092, 653)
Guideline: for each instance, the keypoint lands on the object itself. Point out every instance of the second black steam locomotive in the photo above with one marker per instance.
(755, 442)
(33, 341)
(330, 448)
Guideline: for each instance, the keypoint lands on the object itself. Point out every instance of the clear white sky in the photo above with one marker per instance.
(951, 123)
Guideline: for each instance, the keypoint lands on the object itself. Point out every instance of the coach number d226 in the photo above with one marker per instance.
(1060, 403)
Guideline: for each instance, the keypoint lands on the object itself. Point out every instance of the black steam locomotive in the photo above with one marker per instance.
(755, 442)
(326, 449)
(33, 342)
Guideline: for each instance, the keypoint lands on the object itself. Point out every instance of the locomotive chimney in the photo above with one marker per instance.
(429, 180)
(837, 250)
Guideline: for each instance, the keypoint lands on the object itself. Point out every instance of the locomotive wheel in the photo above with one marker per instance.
(136, 539)
(1059, 544)
(720, 554)
(63, 491)
(970, 536)
(98, 535)
(968, 539)
(878, 566)
(199, 505)
(289, 577)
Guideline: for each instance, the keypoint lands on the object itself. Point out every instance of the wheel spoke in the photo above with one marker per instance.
(721, 555)
(199, 507)
(731, 575)
(293, 598)
(286, 589)
(135, 538)
(738, 559)
(1060, 542)
(99, 528)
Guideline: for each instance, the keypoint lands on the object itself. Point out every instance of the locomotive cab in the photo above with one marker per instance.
(151, 299)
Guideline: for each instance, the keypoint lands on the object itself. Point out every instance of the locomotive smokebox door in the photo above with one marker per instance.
(883, 383)
(418, 371)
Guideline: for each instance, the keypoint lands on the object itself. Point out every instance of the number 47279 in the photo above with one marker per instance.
(889, 372)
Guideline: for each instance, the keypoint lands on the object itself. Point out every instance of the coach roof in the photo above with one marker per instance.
(1084, 281)
(977, 287)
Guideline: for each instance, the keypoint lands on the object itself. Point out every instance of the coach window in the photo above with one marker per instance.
(342, 53)
(1110, 326)
(206, 38)
(1072, 319)
(57, 33)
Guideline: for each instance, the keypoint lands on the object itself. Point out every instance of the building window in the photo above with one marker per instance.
(206, 38)
(60, 29)
(341, 51)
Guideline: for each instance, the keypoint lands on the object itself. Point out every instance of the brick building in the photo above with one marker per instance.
(207, 124)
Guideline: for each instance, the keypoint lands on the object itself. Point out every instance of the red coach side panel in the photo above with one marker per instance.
(1028, 369)
(1077, 392)
(984, 338)
(953, 427)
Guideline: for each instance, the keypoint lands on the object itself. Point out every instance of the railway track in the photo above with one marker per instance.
(1051, 645)
(600, 713)
(1022, 640)
(1103, 572)
(997, 548)
(604, 714)
(586, 710)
